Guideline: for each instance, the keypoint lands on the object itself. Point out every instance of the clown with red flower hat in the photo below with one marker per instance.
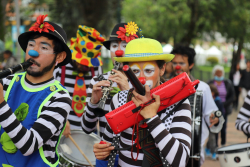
(34, 106)
(120, 36)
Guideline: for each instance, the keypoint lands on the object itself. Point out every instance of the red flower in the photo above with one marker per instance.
(40, 25)
(124, 36)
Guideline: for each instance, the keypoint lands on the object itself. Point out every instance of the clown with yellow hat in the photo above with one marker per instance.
(163, 142)
(75, 76)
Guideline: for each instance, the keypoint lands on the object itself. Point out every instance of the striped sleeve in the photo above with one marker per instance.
(174, 144)
(89, 119)
(49, 124)
(242, 121)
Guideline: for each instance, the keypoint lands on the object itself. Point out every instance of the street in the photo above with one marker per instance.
(233, 137)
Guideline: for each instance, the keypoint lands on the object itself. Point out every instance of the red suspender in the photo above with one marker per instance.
(92, 71)
(63, 75)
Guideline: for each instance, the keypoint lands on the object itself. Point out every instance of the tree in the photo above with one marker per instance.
(2, 18)
(183, 20)
(233, 22)
(99, 14)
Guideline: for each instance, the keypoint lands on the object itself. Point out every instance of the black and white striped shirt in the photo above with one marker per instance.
(242, 122)
(89, 120)
(45, 130)
(173, 137)
(70, 79)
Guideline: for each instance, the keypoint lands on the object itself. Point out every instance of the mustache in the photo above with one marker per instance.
(34, 62)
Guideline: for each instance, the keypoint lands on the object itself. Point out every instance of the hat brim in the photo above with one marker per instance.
(107, 43)
(23, 40)
(165, 57)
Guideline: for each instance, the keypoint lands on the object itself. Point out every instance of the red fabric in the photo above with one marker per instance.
(63, 75)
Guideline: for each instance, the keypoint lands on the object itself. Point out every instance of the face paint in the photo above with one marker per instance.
(136, 69)
(43, 47)
(113, 46)
(149, 70)
(123, 45)
(149, 83)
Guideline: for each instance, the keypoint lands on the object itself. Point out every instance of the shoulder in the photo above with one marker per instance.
(62, 97)
(7, 80)
(203, 86)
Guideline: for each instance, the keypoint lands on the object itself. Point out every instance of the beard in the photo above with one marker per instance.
(40, 73)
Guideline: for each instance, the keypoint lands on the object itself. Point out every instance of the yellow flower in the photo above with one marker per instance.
(131, 28)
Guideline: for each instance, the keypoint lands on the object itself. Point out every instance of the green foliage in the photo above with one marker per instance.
(212, 60)
(99, 14)
(163, 19)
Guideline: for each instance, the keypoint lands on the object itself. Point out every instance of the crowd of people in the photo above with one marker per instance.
(62, 88)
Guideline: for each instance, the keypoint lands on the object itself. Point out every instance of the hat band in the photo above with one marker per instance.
(60, 36)
(142, 54)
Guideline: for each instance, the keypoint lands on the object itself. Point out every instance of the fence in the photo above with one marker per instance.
(204, 75)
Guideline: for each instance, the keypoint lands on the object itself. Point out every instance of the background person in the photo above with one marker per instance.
(226, 94)
(184, 62)
(235, 77)
(245, 80)
(9, 60)
(212, 144)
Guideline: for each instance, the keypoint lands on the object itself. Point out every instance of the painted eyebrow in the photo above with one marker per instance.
(31, 40)
(45, 43)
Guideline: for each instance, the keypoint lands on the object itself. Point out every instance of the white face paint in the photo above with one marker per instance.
(149, 83)
(136, 70)
(123, 45)
(113, 46)
(149, 70)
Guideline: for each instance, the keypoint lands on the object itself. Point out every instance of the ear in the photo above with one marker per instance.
(61, 56)
(191, 66)
(162, 70)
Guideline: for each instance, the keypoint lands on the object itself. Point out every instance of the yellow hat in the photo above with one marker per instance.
(144, 49)
(86, 46)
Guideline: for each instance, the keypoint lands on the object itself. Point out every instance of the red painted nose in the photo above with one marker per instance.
(178, 67)
(119, 53)
(142, 80)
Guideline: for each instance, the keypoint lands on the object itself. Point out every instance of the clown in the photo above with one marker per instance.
(169, 140)
(35, 106)
(75, 76)
(121, 34)
(184, 62)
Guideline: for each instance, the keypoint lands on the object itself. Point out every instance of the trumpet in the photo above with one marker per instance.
(99, 111)
(22, 66)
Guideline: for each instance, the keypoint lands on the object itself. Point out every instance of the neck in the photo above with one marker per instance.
(218, 82)
(48, 75)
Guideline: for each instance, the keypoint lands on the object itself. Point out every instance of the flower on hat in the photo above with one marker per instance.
(131, 28)
(128, 33)
(40, 25)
